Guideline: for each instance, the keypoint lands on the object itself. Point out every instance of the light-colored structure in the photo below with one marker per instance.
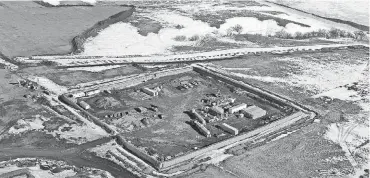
(149, 91)
(216, 111)
(232, 100)
(254, 112)
(237, 108)
(79, 94)
(92, 92)
(202, 129)
(199, 118)
(229, 129)
(84, 105)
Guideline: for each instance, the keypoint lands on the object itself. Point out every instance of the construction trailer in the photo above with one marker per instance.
(254, 112)
(149, 91)
(84, 105)
(237, 108)
(216, 111)
(202, 129)
(141, 109)
(198, 117)
(229, 129)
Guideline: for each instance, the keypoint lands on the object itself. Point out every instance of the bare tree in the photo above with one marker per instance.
(360, 35)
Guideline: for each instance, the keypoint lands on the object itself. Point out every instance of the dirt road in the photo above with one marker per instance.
(74, 61)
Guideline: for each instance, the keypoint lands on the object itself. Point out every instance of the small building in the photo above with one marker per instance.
(254, 112)
(216, 111)
(202, 129)
(149, 91)
(92, 92)
(84, 105)
(141, 109)
(198, 117)
(229, 129)
(237, 108)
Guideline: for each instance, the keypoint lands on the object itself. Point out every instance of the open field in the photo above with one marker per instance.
(13, 105)
(19, 115)
(307, 73)
(74, 76)
(31, 29)
(29, 119)
(304, 153)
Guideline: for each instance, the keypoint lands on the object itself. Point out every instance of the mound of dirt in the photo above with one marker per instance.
(106, 102)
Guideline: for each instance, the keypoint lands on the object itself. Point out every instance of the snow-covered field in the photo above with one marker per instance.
(353, 135)
(315, 75)
(128, 41)
(352, 10)
(124, 39)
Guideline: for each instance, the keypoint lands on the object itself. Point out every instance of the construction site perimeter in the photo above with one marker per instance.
(171, 117)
